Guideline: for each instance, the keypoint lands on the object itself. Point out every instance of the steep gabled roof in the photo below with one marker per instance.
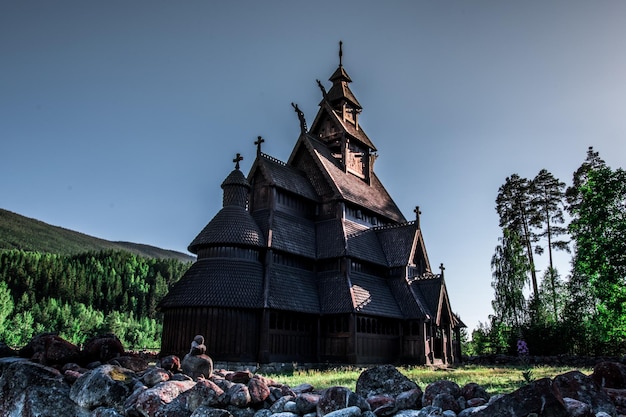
(346, 127)
(218, 282)
(433, 295)
(373, 196)
(398, 243)
(286, 177)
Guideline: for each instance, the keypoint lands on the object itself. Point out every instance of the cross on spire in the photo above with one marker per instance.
(441, 268)
(237, 159)
(258, 143)
(417, 215)
(340, 52)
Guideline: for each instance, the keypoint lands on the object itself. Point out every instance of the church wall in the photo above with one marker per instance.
(230, 334)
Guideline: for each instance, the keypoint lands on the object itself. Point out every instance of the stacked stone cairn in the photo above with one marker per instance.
(52, 377)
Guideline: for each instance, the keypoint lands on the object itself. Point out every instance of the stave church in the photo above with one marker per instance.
(310, 260)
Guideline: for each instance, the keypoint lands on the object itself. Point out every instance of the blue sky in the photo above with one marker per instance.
(120, 119)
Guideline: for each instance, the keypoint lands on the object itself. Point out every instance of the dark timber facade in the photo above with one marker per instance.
(310, 260)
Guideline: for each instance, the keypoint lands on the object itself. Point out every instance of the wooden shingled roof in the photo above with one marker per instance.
(373, 196)
(218, 282)
(231, 226)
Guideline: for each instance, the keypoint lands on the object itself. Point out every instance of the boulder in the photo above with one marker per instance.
(307, 402)
(50, 349)
(440, 387)
(411, 399)
(473, 390)
(205, 411)
(577, 408)
(204, 393)
(239, 395)
(170, 363)
(610, 375)
(259, 390)
(30, 389)
(337, 398)
(150, 401)
(447, 401)
(382, 405)
(381, 380)
(197, 365)
(102, 349)
(105, 386)
(134, 363)
(538, 397)
(578, 386)
(155, 376)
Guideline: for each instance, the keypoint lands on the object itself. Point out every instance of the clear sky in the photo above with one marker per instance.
(120, 119)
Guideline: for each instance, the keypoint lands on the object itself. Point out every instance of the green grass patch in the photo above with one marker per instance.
(495, 379)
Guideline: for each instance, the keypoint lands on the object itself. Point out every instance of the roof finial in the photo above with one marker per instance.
(340, 52)
(258, 143)
(442, 268)
(237, 159)
(324, 93)
(303, 127)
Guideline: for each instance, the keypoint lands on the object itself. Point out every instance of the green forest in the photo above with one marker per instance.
(580, 311)
(83, 295)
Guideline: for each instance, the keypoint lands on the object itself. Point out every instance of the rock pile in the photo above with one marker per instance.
(118, 385)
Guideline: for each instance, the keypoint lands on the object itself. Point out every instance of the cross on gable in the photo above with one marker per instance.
(237, 159)
(417, 215)
(258, 143)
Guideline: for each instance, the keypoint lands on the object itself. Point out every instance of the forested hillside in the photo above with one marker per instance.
(19, 232)
(84, 294)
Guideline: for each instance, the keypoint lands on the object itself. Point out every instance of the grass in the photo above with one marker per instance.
(496, 379)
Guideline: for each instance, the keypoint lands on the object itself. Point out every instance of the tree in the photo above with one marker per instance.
(597, 204)
(6, 308)
(509, 271)
(547, 199)
(516, 212)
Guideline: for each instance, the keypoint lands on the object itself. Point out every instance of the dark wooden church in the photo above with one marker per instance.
(310, 260)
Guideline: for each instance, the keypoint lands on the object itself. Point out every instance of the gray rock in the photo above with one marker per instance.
(239, 395)
(381, 380)
(538, 397)
(307, 402)
(430, 411)
(408, 413)
(411, 399)
(448, 413)
(291, 407)
(578, 386)
(151, 400)
(105, 386)
(577, 408)
(105, 412)
(204, 411)
(155, 376)
(352, 411)
(264, 412)
(29, 389)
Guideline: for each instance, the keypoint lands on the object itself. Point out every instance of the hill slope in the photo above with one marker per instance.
(19, 232)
